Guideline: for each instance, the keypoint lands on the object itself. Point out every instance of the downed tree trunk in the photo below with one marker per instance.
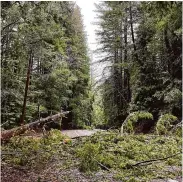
(7, 134)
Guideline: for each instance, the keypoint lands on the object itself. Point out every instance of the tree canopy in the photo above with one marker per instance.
(48, 40)
(142, 43)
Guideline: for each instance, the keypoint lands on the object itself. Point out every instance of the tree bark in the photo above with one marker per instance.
(7, 134)
(132, 32)
(126, 71)
(151, 161)
(26, 90)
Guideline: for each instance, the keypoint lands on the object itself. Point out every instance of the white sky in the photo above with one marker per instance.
(87, 10)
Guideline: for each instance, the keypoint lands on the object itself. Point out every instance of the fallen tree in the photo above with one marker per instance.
(7, 134)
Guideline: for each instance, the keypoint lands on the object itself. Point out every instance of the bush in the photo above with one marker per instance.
(135, 120)
(165, 124)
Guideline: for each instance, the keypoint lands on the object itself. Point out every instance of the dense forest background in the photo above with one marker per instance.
(45, 64)
(44, 53)
(141, 43)
(58, 123)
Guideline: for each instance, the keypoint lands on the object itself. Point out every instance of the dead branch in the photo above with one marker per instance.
(102, 165)
(151, 161)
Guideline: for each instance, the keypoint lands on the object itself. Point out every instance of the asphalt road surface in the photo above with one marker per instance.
(78, 133)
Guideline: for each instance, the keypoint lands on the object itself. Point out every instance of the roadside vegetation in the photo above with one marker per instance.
(47, 87)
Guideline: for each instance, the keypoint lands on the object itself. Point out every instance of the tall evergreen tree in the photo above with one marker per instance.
(142, 43)
(44, 63)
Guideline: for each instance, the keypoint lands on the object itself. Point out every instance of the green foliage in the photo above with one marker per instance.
(160, 85)
(174, 96)
(54, 137)
(34, 151)
(100, 151)
(133, 118)
(177, 130)
(144, 73)
(87, 156)
(98, 115)
(165, 123)
(118, 152)
(53, 32)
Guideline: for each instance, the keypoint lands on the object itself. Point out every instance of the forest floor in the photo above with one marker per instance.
(102, 157)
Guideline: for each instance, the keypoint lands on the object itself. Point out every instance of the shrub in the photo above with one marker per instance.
(165, 124)
(135, 119)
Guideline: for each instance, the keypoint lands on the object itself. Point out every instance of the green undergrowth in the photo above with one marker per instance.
(165, 123)
(35, 152)
(107, 151)
(118, 154)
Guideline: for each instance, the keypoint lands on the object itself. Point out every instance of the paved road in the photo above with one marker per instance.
(78, 133)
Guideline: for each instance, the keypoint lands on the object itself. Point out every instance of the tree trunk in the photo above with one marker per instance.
(126, 71)
(168, 49)
(26, 90)
(7, 134)
(132, 33)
